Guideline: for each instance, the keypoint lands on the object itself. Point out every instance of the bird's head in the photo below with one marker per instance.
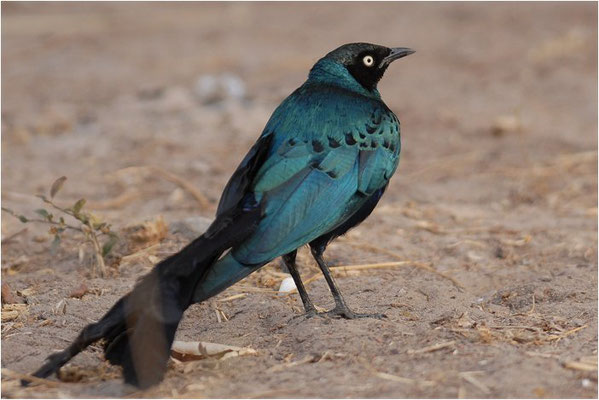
(366, 63)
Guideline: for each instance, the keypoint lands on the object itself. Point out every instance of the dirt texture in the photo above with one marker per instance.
(490, 221)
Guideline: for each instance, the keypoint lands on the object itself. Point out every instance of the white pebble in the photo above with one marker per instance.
(287, 285)
(586, 383)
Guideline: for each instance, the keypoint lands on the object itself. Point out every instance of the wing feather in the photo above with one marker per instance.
(329, 151)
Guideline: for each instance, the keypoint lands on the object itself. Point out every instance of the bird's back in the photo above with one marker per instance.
(331, 148)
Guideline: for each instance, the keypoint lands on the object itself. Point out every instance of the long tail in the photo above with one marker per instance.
(140, 328)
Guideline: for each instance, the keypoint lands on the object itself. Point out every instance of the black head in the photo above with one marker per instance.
(367, 62)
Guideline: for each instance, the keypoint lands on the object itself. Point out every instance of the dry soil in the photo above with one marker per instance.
(493, 211)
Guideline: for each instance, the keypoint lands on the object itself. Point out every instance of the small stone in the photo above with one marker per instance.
(287, 285)
(79, 292)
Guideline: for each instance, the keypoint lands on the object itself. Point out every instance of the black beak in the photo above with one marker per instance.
(396, 53)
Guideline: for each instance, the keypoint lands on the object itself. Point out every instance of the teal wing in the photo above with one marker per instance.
(329, 151)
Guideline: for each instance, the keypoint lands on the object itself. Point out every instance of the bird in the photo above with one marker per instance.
(318, 169)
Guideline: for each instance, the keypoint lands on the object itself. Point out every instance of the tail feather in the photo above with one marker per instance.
(223, 274)
(112, 321)
(140, 328)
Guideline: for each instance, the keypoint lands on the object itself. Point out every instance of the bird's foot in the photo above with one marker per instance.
(345, 312)
(337, 312)
(314, 311)
(310, 312)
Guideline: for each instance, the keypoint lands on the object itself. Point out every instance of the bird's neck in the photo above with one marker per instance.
(332, 73)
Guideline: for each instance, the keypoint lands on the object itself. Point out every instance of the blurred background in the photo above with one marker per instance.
(147, 108)
(105, 86)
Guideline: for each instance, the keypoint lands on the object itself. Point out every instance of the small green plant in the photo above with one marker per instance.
(90, 225)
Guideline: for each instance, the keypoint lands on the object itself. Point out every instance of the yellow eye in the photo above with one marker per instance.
(368, 61)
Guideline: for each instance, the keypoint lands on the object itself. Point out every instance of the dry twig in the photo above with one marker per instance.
(568, 333)
(416, 264)
(395, 378)
(432, 348)
(281, 367)
(468, 376)
(30, 378)
(233, 297)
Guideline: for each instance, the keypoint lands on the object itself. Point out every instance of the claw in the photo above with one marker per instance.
(338, 312)
(344, 312)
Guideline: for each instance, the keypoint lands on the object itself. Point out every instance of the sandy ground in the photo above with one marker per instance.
(493, 209)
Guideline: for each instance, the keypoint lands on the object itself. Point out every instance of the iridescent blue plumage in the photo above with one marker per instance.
(333, 143)
(319, 168)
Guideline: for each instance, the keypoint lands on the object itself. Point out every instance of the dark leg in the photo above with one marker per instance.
(289, 260)
(341, 309)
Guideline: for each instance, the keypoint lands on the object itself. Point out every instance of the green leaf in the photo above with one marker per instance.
(45, 214)
(57, 185)
(21, 218)
(78, 206)
(107, 248)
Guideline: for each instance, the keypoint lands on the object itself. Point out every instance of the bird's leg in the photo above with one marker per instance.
(289, 260)
(341, 309)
